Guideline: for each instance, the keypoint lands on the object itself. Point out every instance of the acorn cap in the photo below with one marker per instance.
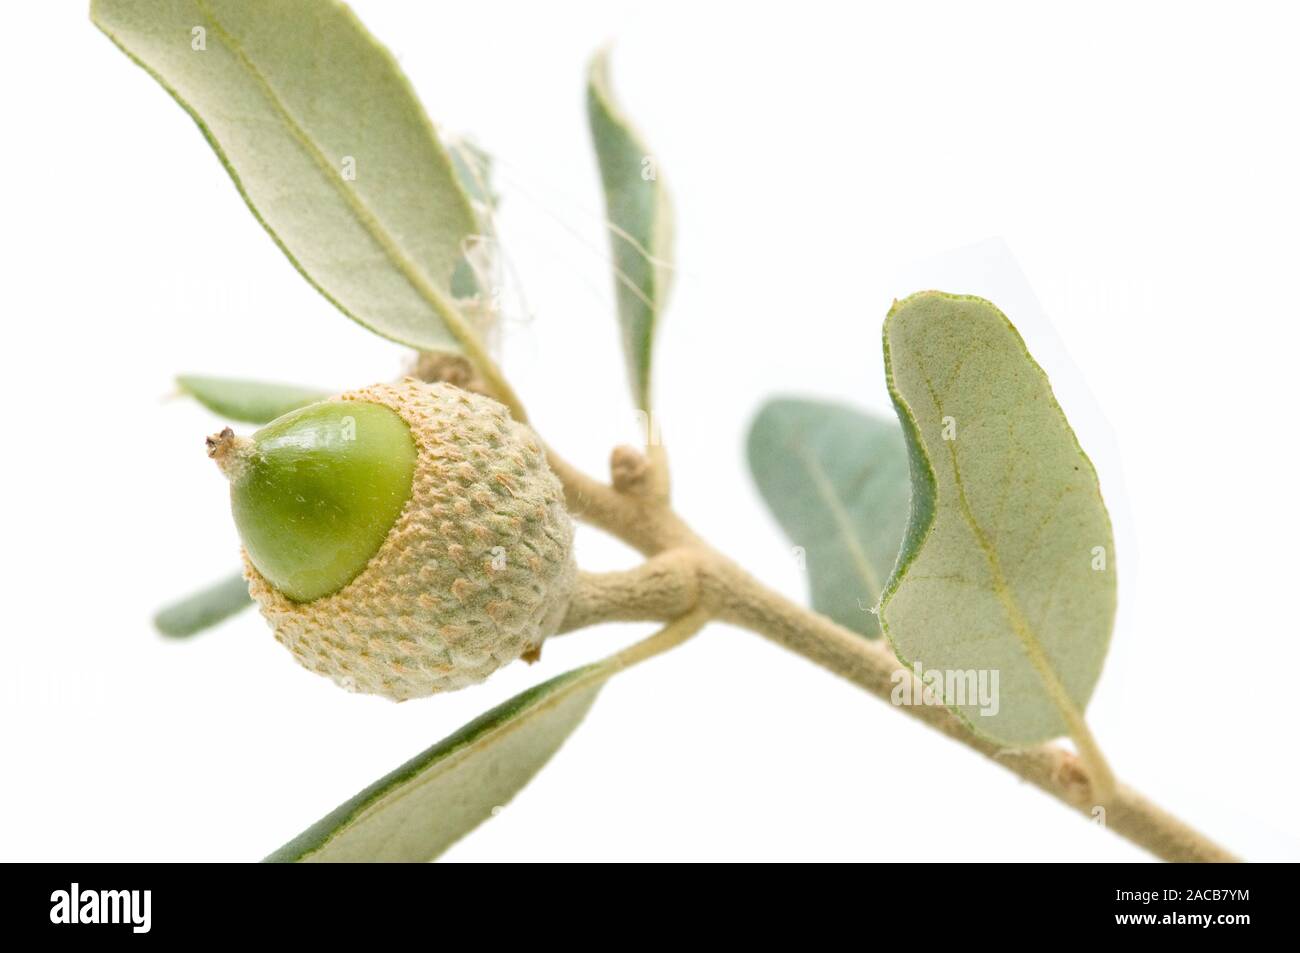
(476, 571)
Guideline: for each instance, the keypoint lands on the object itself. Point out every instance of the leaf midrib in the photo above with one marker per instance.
(599, 84)
(843, 523)
(411, 272)
(1024, 633)
(435, 770)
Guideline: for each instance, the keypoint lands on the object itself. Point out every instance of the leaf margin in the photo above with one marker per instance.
(458, 327)
(770, 419)
(319, 835)
(638, 344)
(592, 677)
(921, 522)
(204, 390)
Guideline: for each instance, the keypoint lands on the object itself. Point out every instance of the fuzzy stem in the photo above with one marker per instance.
(669, 637)
(496, 384)
(663, 587)
(726, 592)
(738, 598)
(1102, 779)
(660, 588)
(643, 522)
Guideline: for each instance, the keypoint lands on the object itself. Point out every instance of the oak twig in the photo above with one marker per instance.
(683, 574)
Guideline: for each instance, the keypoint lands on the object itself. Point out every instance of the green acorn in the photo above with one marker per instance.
(403, 539)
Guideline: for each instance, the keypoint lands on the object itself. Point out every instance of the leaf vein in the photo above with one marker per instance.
(843, 523)
(366, 218)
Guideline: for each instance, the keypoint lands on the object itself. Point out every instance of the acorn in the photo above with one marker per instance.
(402, 539)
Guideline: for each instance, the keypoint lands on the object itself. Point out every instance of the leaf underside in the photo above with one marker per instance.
(422, 808)
(1008, 562)
(837, 481)
(327, 143)
(640, 226)
(205, 608)
(248, 401)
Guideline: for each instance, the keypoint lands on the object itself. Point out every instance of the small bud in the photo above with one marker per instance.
(628, 469)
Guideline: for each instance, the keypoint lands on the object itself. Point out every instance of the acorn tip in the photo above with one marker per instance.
(228, 450)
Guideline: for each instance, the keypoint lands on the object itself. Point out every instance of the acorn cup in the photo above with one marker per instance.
(402, 539)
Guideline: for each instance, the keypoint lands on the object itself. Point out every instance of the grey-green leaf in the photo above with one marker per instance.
(837, 481)
(422, 808)
(205, 608)
(640, 224)
(473, 168)
(470, 281)
(1008, 566)
(327, 143)
(246, 401)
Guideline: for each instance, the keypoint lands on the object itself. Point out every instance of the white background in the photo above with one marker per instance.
(1140, 162)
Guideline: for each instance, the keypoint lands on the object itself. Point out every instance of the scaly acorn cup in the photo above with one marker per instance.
(403, 539)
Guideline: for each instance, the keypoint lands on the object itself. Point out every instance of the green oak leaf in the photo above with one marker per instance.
(473, 167)
(1008, 563)
(327, 143)
(205, 608)
(430, 802)
(640, 221)
(247, 401)
(443, 793)
(837, 481)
